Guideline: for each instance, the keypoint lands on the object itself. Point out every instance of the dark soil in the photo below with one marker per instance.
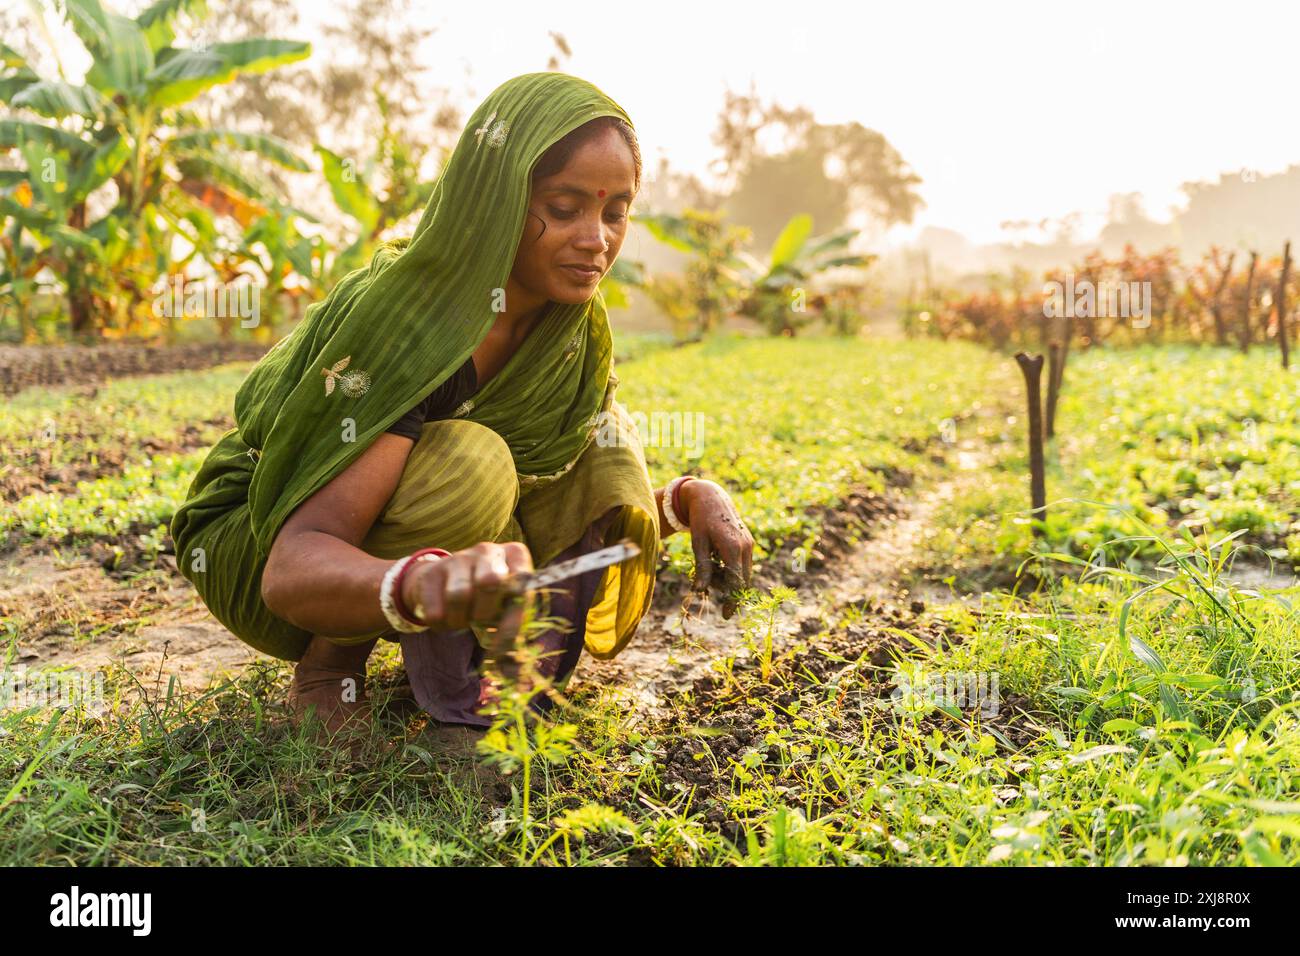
(842, 526)
(714, 723)
(29, 472)
(24, 366)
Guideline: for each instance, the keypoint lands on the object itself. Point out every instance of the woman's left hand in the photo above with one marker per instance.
(723, 546)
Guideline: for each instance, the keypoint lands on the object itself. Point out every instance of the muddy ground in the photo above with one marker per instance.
(115, 605)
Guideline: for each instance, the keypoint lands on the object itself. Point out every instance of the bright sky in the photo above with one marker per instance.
(1007, 110)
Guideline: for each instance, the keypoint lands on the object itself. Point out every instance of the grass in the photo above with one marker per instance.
(785, 454)
(1201, 439)
(1135, 708)
(74, 424)
(821, 761)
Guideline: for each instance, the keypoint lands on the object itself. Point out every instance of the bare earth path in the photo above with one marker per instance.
(672, 649)
(73, 614)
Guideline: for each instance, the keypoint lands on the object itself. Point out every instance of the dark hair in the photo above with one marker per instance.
(559, 153)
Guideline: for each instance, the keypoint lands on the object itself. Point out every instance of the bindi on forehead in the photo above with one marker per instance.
(584, 193)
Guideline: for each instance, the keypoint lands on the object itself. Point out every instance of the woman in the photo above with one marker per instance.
(449, 396)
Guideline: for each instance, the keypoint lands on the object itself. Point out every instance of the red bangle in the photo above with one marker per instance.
(677, 507)
(398, 604)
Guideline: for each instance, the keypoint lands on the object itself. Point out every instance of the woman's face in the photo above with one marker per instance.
(577, 222)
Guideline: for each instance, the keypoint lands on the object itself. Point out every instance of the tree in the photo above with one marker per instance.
(127, 129)
(831, 172)
(387, 189)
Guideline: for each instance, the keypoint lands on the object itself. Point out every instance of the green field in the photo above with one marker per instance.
(1143, 650)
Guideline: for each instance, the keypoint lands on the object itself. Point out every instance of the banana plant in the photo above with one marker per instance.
(713, 283)
(722, 277)
(779, 289)
(127, 122)
(21, 266)
(280, 250)
(625, 274)
(395, 164)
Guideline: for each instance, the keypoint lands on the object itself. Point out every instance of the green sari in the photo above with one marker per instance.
(389, 334)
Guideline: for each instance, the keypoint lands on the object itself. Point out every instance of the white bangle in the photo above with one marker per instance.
(673, 521)
(387, 602)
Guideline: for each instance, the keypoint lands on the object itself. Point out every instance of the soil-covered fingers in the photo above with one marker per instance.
(702, 546)
(746, 545)
(722, 544)
(735, 547)
(743, 572)
(732, 587)
(472, 586)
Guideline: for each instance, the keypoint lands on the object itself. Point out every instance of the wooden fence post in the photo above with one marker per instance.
(1216, 308)
(1032, 369)
(1245, 303)
(1056, 353)
(1281, 305)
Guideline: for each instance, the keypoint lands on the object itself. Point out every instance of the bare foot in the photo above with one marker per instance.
(328, 694)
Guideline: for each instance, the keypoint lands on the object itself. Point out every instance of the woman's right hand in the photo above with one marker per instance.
(473, 586)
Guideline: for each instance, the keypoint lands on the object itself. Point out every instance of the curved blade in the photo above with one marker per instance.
(602, 558)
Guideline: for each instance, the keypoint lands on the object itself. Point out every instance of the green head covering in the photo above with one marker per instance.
(390, 333)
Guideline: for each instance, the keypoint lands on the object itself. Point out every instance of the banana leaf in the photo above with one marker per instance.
(158, 20)
(22, 76)
(270, 147)
(210, 168)
(56, 99)
(670, 230)
(791, 241)
(350, 193)
(122, 57)
(16, 132)
(182, 75)
(42, 224)
(89, 173)
(832, 240)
